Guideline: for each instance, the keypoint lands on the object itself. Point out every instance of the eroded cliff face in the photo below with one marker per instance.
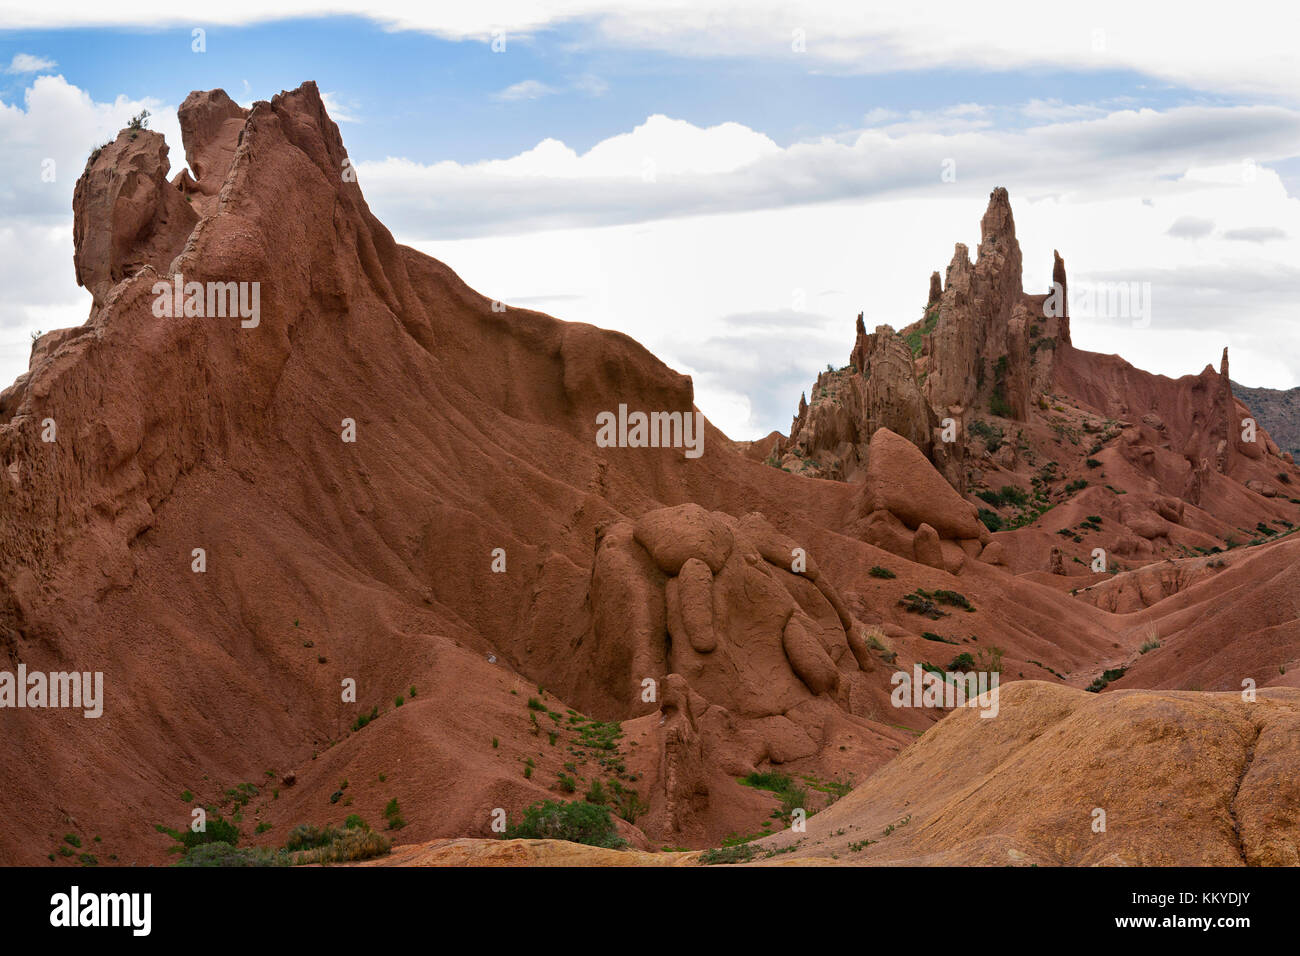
(370, 558)
(393, 483)
(988, 386)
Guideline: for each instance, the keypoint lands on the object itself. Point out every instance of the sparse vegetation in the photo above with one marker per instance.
(740, 853)
(1107, 676)
(575, 821)
(878, 572)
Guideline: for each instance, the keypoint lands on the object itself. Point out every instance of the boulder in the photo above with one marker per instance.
(926, 546)
(902, 481)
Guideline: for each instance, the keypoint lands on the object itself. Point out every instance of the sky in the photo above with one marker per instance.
(730, 183)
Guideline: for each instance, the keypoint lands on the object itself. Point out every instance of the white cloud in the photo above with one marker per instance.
(744, 264)
(1255, 234)
(591, 85)
(524, 90)
(339, 110)
(27, 63)
(1191, 227)
(668, 168)
(1250, 49)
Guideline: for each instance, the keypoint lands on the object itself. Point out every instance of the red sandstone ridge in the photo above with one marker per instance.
(554, 614)
(1170, 468)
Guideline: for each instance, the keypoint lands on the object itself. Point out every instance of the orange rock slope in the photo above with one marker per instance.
(367, 476)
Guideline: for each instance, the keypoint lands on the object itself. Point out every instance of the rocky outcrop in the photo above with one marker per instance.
(1278, 411)
(211, 124)
(878, 390)
(906, 507)
(126, 215)
(752, 644)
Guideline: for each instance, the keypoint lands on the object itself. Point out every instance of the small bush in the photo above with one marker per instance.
(1014, 495)
(878, 572)
(962, 662)
(393, 814)
(990, 660)
(347, 846)
(767, 780)
(577, 822)
(306, 836)
(953, 599)
(792, 799)
(363, 719)
(225, 855)
(1107, 676)
(741, 853)
(992, 520)
(216, 830)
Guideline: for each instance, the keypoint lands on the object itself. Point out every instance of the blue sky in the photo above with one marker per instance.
(724, 173)
(430, 98)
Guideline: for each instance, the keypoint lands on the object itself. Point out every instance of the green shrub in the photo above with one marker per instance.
(962, 662)
(923, 603)
(225, 855)
(346, 846)
(216, 830)
(1107, 676)
(393, 814)
(741, 853)
(992, 520)
(878, 572)
(577, 822)
(1014, 495)
(363, 719)
(991, 433)
(766, 780)
(306, 836)
(953, 599)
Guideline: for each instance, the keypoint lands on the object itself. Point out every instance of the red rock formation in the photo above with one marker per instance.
(476, 543)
